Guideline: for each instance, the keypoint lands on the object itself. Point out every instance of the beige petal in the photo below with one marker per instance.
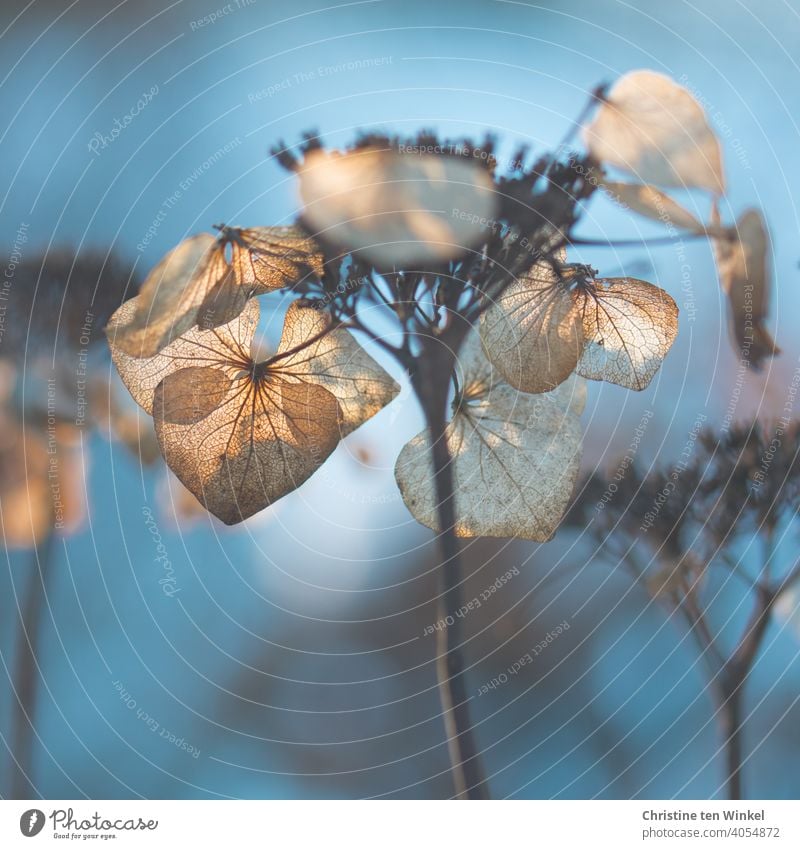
(477, 379)
(269, 258)
(743, 269)
(533, 334)
(397, 208)
(655, 129)
(629, 326)
(223, 303)
(653, 203)
(335, 361)
(191, 394)
(570, 395)
(226, 348)
(261, 443)
(195, 285)
(515, 461)
(171, 296)
(263, 259)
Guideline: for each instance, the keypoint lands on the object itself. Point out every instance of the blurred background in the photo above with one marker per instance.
(287, 657)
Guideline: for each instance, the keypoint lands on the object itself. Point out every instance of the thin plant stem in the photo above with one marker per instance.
(642, 243)
(465, 763)
(731, 713)
(734, 678)
(26, 674)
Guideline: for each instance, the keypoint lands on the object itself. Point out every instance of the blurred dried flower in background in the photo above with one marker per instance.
(684, 530)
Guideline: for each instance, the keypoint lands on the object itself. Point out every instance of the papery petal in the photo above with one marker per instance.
(654, 128)
(191, 394)
(260, 444)
(263, 259)
(515, 462)
(396, 208)
(171, 296)
(653, 203)
(629, 326)
(219, 348)
(336, 361)
(532, 334)
(743, 269)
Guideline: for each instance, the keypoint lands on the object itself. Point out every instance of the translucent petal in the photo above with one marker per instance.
(195, 285)
(533, 333)
(653, 203)
(263, 259)
(269, 258)
(629, 326)
(226, 348)
(171, 296)
(515, 462)
(336, 361)
(396, 208)
(515, 455)
(743, 269)
(191, 394)
(655, 129)
(570, 395)
(261, 443)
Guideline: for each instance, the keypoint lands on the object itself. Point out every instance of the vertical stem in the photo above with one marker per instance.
(26, 672)
(467, 770)
(731, 708)
(734, 677)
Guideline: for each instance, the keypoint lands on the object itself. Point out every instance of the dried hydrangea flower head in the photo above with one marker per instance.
(554, 321)
(467, 262)
(240, 434)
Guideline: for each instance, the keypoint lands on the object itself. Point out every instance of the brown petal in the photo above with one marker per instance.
(190, 394)
(743, 269)
(269, 258)
(533, 334)
(629, 326)
(261, 443)
(263, 259)
(171, 296)
(309, 411)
